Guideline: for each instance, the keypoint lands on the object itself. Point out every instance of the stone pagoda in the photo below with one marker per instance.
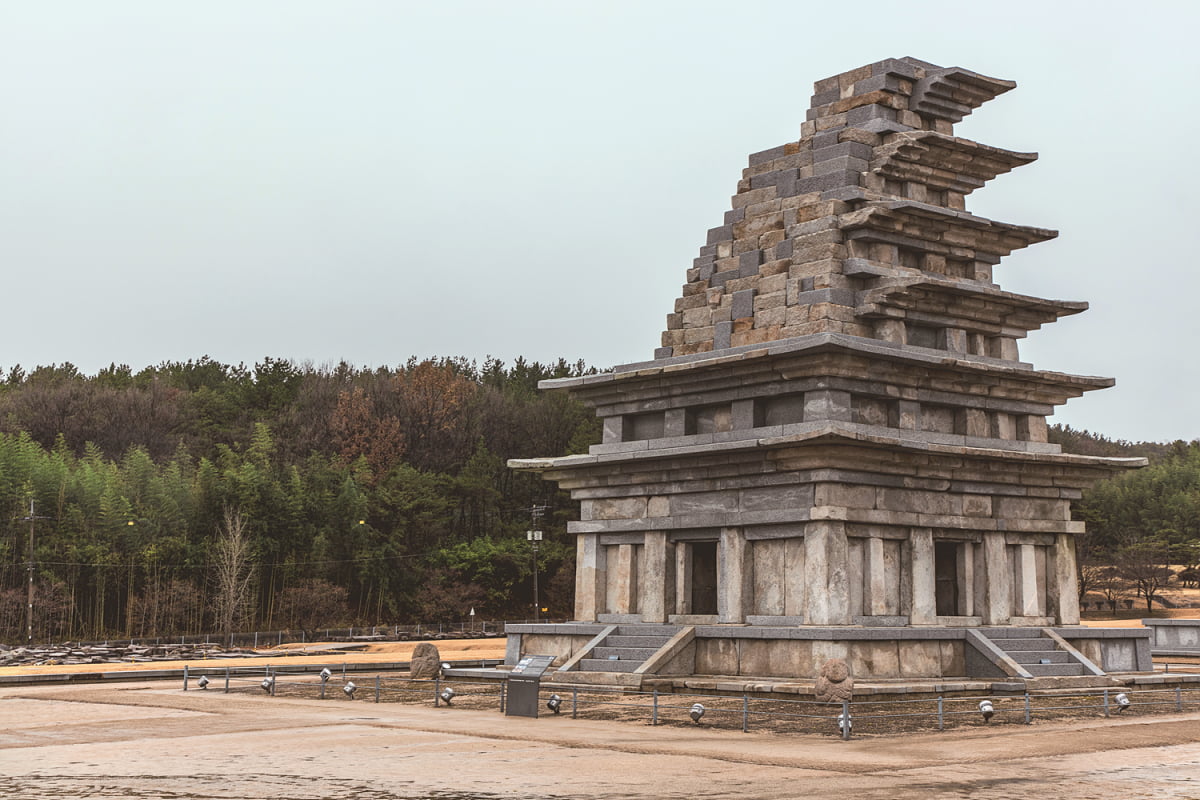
(837, 429)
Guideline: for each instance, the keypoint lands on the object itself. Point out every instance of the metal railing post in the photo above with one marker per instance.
(503, 687)
(1106, 702)
(437, 692)
(226, 679)
(845, 719)
(1028, 714)
(376, 688)
(941, 716)
(745, 713)
(574, 702)
(185, 677)
(1178, 698)
(654, 714)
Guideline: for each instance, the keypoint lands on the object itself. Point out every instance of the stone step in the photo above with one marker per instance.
(666, 631)
(642, 642)
(1036, 656)
(577, 678)
(605, 665)
(1043, 670)
(638, 654)
(1012, 633)
(1015, 645)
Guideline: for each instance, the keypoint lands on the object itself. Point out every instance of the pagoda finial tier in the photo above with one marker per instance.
(875, 187)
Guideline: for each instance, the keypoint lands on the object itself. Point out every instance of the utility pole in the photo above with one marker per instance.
(29, 569)
(535, 536)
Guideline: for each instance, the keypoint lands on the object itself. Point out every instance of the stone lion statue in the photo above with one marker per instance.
(834, 684)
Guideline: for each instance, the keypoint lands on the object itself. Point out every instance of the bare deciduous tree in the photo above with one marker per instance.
(231, 571)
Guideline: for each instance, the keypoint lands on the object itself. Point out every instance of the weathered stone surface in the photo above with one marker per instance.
(426, 662)
(834, 684)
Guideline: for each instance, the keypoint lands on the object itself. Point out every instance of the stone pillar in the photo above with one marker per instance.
(614, 429)
(875, 579)
(956, 340)
(793, 577)
(924, 583)
(997, 602)
(1066, 581)
(966, 579)
(733, 578)
(890, 330)
(675, 422)
(656, 587)
(1030, 605)
(591, 577)
(683, 578)
(625, 580)
(976, 423)
(826, 404)
(827, 592)
(742, 414)
(1008, 349)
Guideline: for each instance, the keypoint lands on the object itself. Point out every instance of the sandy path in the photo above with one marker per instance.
(144, 740)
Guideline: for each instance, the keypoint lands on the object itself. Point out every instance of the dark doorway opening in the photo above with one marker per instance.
(945, 571)
(704, 577)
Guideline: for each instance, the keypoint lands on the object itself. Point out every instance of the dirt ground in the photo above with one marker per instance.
(449, 649)
(148, 740)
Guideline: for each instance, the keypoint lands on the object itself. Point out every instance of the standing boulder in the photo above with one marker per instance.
(834, 684)
(426, 662)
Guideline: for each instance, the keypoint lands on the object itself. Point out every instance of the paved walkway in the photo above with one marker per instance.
(154, 741)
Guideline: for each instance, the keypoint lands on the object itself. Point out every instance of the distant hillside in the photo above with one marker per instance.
(1087, 443)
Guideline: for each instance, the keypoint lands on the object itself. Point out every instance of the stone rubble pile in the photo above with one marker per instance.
(69, 653)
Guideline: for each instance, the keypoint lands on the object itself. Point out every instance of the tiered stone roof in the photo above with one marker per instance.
(860, 227)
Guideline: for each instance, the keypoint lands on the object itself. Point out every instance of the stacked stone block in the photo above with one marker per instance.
(831, 232)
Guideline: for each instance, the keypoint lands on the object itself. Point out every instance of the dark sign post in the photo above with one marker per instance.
(523, 684)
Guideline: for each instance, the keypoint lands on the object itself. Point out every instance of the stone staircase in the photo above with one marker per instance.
(1035, 652)
(627, 648)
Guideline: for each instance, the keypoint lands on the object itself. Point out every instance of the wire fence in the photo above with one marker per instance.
(745, 712)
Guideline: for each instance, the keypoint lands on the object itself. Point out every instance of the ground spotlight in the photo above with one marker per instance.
(268, 683)
(348, 689)
(845, 724)
(696, 713)
(203, 682)
(326, 674)
(1123, 702)
(554, 703)
(447, 695)
(987, 709)
(446, 665)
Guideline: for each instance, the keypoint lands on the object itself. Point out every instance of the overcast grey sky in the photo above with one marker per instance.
(373, 180)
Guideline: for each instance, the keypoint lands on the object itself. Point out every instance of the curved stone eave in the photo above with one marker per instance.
(770, 358)
(831, 433)
(943, 161)
(1006, 309)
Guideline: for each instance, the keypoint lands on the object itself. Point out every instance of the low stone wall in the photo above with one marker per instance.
(798, 652)
(1174, 636)
(562, 640)
(792, 652)
(1112, 649)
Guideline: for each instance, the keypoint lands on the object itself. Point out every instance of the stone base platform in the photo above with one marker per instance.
(783, 656)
